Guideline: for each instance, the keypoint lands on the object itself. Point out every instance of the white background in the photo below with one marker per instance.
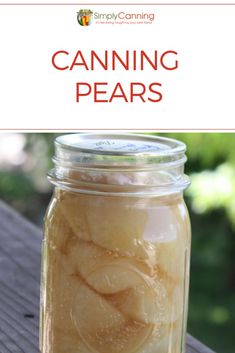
(200, 94)
(122, 1)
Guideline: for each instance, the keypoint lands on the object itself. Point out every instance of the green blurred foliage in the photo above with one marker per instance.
(211, 202)
(25, 187)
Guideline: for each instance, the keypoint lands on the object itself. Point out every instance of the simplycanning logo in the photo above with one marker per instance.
(85, 17)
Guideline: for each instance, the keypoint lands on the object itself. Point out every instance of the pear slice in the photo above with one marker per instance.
(104, 328)
(172, 258)
(91, 312)
(73, 208)
(118, 227)
(128, 338)
(152, 298)
(85, 256)
(164, 338)
(57, 230)
(114, 277)
(103, 270)
(61, 290)
(62, 342)
(143, 305)
(153, 301)
(167, 230)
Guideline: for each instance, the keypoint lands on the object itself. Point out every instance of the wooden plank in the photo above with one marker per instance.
(20, 243)
(19, 283)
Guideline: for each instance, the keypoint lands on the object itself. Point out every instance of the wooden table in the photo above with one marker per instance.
(20, 245)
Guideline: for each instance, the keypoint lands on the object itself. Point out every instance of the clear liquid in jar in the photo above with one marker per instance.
(115, 274)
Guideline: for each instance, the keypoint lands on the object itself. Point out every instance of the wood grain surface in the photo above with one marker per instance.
(20, 247)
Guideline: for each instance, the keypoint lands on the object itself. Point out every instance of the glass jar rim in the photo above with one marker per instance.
(119, 150)
(119, 164)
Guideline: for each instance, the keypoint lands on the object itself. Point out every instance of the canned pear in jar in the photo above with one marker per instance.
(116, 248)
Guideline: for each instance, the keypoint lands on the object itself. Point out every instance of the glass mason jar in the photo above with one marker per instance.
(115, 266)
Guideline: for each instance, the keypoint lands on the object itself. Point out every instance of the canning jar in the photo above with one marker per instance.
(116, 247)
